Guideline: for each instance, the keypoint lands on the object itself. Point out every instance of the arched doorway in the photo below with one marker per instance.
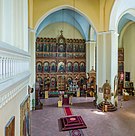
(77, 31)
(121, 21)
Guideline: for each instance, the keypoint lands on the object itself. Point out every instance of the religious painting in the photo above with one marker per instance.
(120, 54)
(46, 54)
(52, 54)
(46, 67)
(82, 48)
(54, 47)
(39, 79)
(61, 48)
(25, 117)
(39, 67)
(45, 47)
(69, 55)
(74, 48)
(70, 80)
(61, 67)
(82, 67)
(82, 80)
(40, 47)
(61, 55)
(127, 76)
(77, 48)
(10, 127)
(53, 83)
(69, 67)
(46, 83)
(127, 84)
(51, 47)
(76, 67)
(53, 67)
(69, 48)
(37, 47)
(121, 76)
(120, 66)
(131, 85)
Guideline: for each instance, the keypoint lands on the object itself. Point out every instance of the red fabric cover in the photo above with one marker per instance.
(72, 122)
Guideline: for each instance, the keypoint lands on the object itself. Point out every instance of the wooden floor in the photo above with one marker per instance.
(119, 123)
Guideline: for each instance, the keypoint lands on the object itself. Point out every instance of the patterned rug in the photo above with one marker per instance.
(77, 132)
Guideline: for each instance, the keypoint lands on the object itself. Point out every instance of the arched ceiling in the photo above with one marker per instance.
(68, 16)
(124, 20)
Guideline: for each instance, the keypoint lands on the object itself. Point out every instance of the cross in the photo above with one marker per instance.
(61, 32)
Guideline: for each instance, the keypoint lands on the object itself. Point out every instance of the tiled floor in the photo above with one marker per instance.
(119, 123)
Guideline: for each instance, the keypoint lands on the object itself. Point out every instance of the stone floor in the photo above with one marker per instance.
(119, 123)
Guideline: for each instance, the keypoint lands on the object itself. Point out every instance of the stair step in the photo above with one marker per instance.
(110, 106)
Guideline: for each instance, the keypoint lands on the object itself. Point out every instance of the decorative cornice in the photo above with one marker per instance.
(31, 30)
(89, 42)
(9, 91)
(4, 47)
(108, 32)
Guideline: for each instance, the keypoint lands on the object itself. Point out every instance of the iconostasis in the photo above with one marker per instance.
(59, 61)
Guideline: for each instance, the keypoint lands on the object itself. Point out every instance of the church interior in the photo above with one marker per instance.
(67, 68)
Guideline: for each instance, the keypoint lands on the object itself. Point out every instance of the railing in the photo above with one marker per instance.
(14, 72)
(13, 61)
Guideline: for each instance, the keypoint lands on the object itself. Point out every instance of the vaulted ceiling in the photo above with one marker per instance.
(67, 16)
(124, 20)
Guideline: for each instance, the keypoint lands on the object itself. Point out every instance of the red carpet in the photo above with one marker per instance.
(68, 111)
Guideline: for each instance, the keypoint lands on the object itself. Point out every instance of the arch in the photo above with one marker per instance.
(122, 33)
(60, 8)
(119, 10)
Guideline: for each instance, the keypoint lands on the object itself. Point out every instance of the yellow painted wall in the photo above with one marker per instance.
(30, 13)
(98, 11)
(129, 50)
(53, 31)
(105, 10)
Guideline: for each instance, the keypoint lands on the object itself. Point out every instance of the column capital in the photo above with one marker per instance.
(31, 30)
(89, 42)
(108, 32)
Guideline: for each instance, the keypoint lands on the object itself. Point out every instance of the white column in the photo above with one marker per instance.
(103, 60)
(25, 25)
(6, 67)
(16, 23)
(87, 57)
(92, 54)
(0, 68)
(20, 21)
(7, 21)
(3, 68)
(1, 19)
(107, 59)
(31, 64)
(12, 67)
(9, 67)
(114, 61)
